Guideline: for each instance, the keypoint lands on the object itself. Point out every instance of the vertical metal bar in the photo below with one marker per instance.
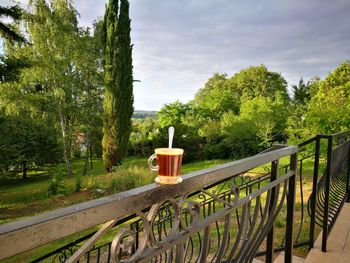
(326, 198)
(225, 239)
(290, 210)
(301, 200)
(98, 254)
(180, 253)
(314, 194)
(205, 248)
(270, 235)
(137, 231)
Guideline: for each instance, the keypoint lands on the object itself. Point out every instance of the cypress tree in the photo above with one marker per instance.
(118, 101)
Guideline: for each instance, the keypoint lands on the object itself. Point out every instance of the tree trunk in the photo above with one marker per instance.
(86, 163)
(91, 165)
(24, 169)
(66, 153)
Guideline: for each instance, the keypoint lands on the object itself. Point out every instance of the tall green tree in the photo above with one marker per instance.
(89, 117)
(7, 30)
(54, 32)
(301, 92)
(26, 141)
(49, 88)
(222, 94)
(257, 81)
(329, 109)
(9, 67)
(118, 101)
(216, 97)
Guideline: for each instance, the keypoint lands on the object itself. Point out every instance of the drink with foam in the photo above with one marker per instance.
(168, 165)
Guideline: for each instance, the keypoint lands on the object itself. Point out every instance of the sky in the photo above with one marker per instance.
(179, 44)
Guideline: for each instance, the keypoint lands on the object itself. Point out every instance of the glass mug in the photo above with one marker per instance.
(168, 165)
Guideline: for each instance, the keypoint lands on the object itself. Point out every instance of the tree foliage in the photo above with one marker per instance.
(51, 90)
(329, 109)
(217, 97)
(297, 128)
(8, 31)
(56, 79)
(301, 92)
(257, 81)
(53, 31)
(118, 101)
(229, 117)
(27, 140)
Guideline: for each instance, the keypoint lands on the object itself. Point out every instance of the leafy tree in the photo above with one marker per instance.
(173, 114)
(240, 136)
(241, 115)
(261, 121)
(216, 98)
(53, 31)
(50, 88)
(258, 81)
(8, 31)
(118, 102)
(301, 92)
(269, 117)
(213, 136)
(222, 94)
(186, 136)
(10, 68)
(143, 137)
(329, 109)
(89, 116)
(27, 141)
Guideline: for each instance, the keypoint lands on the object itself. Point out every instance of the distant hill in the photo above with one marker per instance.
(142, 114)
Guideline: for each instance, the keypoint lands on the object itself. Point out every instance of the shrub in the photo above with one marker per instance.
(77, 185)
(129, 177)
(56, 181)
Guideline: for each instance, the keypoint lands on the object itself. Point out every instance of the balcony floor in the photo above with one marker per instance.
(338, 245)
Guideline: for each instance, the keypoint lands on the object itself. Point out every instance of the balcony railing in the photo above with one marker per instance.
(229, 213)
(207, 216)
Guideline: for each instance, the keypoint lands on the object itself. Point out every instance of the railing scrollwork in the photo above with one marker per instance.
(221, 214)
(189, 222)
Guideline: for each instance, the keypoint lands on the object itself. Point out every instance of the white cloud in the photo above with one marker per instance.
(178, 44)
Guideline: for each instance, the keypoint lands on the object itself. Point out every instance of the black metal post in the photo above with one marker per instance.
(326, 200)
(314, 193)
(270, 235)
(290, 210)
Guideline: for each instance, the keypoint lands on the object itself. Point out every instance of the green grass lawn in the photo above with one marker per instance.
(22, 198)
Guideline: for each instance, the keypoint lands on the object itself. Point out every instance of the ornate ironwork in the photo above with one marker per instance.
(190, 230)
(337, 186)
(221, 214)
(63, 255)
(178, 216)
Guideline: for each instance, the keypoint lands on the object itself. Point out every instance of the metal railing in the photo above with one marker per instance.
(332, 190)
(221, 214)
